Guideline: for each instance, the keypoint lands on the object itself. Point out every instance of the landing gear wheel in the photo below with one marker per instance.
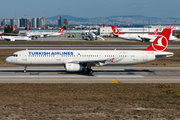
(25, 69)
(90, 71)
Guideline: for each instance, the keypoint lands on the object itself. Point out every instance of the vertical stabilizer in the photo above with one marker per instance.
(161, 42)
(62, 30)
(28, 27)
(115, 30)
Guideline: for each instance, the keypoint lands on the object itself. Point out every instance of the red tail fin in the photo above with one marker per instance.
(115, 30)
(154, 33)
(28, 27)
(14, 28)
(103, 26)
(161, 42)
(62, 30)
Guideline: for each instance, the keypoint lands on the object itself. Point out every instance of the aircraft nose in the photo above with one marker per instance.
(7, 60)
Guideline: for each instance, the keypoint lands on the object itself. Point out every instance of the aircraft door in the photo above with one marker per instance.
(100, 56)
(24, 56)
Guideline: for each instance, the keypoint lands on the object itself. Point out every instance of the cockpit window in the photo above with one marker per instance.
(14, 55)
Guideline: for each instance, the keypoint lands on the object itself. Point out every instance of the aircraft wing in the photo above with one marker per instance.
(91, 62)
(100, 37)
(85, 35)
(145, 38)
(7, 39)
(38, 34)
(164, 55)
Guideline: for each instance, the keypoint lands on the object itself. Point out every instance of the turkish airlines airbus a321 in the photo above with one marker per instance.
(35, 35)
(78, 60)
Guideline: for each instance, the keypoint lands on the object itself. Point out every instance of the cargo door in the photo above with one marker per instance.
(145, 57)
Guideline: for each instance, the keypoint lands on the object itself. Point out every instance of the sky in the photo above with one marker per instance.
(89, 8)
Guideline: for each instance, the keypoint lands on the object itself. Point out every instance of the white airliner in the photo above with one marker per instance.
(130, 36)
(15, 38)
(152, 37)
(91, 35)
(78, 60)
(35, 35)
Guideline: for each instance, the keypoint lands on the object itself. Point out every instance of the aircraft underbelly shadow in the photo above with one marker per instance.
(95, 72)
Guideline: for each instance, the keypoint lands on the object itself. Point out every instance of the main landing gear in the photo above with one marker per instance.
(90, 71)
(25, 69)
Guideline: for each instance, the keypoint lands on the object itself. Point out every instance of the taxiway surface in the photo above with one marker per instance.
(100, 75)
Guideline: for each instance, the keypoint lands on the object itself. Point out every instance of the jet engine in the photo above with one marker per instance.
(43, 36)
(72, 67)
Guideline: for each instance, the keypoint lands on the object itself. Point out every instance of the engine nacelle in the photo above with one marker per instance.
(72, 67)
(12, 39)
(151, 40)
(41, 36)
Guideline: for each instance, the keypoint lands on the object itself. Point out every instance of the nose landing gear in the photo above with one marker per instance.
(25, 69)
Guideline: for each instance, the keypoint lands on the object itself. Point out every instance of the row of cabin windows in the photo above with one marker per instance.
(114, 55)
(76, 55)
(63, 55)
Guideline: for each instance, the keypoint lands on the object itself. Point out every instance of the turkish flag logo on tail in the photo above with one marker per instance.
(161, 42)
(62, 30)
(115, 30)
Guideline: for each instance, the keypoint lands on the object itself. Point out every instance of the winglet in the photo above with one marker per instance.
(62, 30)
(115, 30)
(161, 42)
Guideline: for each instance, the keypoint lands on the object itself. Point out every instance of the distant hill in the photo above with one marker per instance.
(132, 19)
(70, 18)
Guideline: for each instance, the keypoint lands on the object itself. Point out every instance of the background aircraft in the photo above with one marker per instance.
(35, 35)
(91, 35)
(15, 38)
(130, 36)
(151, 38)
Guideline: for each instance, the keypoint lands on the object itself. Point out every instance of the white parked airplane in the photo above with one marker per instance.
(35, 35)
(78, 60)
(151, 38)
(15, 38)
(130, 36)
(91, 35)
